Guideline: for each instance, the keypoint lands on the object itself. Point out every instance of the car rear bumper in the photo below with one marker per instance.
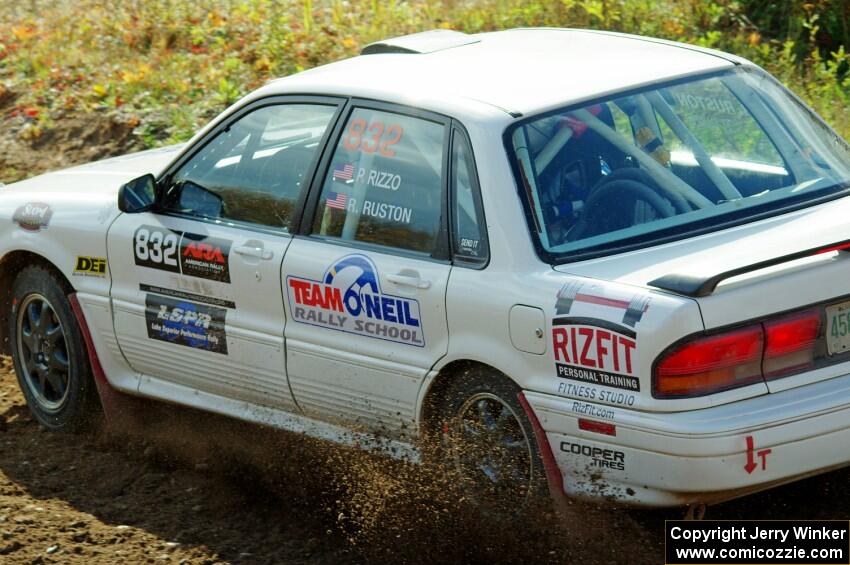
(709, 455)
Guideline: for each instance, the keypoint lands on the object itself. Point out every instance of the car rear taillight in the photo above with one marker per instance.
(790, 343)
(711, 364)
(704, 365)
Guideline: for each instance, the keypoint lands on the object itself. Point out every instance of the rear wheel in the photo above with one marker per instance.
(489, 440)
(49, 353)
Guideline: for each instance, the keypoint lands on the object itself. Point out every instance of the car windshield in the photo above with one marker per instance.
(669, 161)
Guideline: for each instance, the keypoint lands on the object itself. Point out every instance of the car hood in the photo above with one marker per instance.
(92, 180)
(752, 295)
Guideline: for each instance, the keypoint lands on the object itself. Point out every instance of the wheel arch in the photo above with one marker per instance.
(11, 264)
(435, 390)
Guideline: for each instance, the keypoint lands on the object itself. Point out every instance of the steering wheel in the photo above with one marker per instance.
(612, 202)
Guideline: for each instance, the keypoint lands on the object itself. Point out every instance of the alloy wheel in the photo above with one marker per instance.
(492, 450)
(43, 351)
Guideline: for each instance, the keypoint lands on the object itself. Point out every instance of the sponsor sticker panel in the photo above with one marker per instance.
(594, 456)
(183, 295)
(595, 342)
(573, 390)
(349, 298)
(599, 412)
(90, 266)
(577, 298)
(205, 258)
(181, 322)
(595, 355)
(33, 216)
(185, 253)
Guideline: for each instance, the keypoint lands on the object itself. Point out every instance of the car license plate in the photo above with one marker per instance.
(838, 328)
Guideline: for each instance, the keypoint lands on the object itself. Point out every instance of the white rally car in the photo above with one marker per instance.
(606, 265)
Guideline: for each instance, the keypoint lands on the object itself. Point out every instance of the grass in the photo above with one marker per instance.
(167, 66)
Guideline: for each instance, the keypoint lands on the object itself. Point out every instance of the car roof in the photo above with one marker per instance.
(517, 72)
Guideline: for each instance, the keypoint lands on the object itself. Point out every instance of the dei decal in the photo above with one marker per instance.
(184, 253)
(348, 298)
(629, 308)
(90, 266)
(595, 352)
(198, 326)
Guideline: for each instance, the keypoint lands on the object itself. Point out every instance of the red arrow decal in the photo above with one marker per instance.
(751, 460)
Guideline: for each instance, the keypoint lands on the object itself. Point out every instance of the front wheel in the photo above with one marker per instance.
(489, 440)
(49, 353)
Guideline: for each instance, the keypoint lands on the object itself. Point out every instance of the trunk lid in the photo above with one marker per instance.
(817, 280)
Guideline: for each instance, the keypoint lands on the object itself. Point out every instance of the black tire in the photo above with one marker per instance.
(519, 477)
(49, 352)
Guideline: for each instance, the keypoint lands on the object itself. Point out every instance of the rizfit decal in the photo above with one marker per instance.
(595, 352)
(593, 393)
(185, 253)
(594, 411)
(90, 266)
(599, 456)
(634, 307)
(348, 298)
(186, 323)
(34, 216)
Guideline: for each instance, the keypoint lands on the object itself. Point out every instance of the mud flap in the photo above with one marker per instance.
(550, 466)
(116, 405)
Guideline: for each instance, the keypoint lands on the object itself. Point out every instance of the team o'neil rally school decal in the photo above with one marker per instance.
(348, 298)
(593, 350)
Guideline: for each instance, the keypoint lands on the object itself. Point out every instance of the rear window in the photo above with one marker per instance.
(384, 186)
(667, 162)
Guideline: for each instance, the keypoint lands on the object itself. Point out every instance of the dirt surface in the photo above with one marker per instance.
(176, 486)
(27, 149)
(106, 498)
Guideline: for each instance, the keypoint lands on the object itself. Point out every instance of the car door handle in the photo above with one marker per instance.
(408, 280)
(255, 252)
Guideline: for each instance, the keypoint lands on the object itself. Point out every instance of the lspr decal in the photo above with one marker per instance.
(186, 323)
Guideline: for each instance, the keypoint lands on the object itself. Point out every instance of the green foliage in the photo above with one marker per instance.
(171, 65)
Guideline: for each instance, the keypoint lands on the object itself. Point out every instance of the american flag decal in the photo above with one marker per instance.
(344, 172)
(336, 200)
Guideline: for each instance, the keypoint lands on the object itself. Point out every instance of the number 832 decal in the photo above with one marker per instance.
(182, 252)
(374, 137)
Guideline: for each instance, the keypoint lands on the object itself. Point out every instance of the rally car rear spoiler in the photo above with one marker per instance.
(696, 285)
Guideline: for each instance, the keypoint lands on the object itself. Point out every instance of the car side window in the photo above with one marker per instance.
(469, 241)
(255, 170)
(384, 183)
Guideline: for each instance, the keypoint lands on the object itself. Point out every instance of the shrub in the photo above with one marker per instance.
(172, 65)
